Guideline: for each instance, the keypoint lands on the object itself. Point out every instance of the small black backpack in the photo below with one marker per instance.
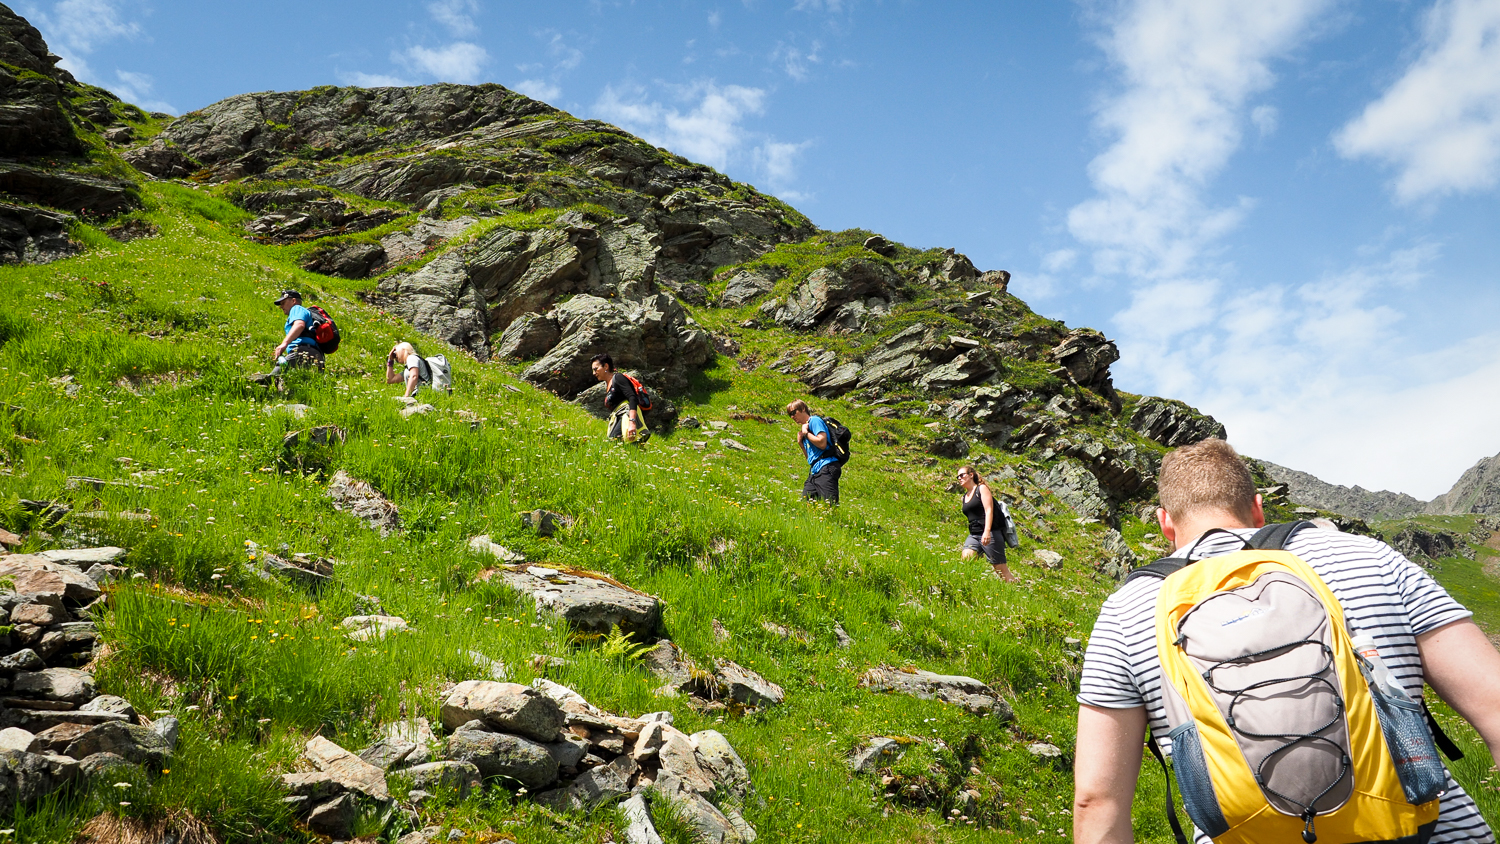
(838, 440)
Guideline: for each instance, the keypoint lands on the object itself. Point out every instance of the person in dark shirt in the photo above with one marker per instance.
(621, 402)
(983, 513)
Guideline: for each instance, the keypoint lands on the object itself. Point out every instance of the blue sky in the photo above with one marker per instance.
(1285, 212)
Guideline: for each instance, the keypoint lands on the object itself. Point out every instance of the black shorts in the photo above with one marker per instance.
(824, 485)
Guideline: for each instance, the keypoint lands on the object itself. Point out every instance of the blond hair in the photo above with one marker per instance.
(1206, 476)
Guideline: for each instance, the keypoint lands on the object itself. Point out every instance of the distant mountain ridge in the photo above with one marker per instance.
(1476, 491)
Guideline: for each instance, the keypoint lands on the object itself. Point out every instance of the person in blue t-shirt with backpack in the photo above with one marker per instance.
(298, 347)
(823, 465)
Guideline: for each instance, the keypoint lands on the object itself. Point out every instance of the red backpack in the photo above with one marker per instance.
(642, 395)
(324, 331)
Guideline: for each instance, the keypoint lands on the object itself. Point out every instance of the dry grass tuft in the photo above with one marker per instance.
(178, 827)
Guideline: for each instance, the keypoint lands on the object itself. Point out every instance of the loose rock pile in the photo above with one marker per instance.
(543, 740)
(57, 728)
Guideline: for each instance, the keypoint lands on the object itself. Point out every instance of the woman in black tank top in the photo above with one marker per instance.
(979, 508)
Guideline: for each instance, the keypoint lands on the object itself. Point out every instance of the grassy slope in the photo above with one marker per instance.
(156, 335)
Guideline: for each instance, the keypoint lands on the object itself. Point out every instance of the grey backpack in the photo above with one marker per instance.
(437, 373)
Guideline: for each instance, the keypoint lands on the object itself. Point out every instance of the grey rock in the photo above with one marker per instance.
(88, 196)
(745, 686)
(876, 752)
(968, 368)
(745, 287)
(451, 777)
(28, 777)
(348, 770)
(15, 738)
(67, 684)
(386, 754)
(34, 575)
(312, 786)
(416, 410)
(1047, 559)
(373, 628)
(362, 501)
(638, 826)
(1174, 423)
(668, 662)
(409, 244)
(824, 290)
(56, 739)
(105, 766)
(43, 612)
(529, 336)
(880, 246)
(598, 785)
(503, 706)
(1043, 750)
(652, 335)
(971, 694)
(169, 728)
(679, 770)
(82, 558)
(109, 703)
(30, 235)
(952, 446)
(135, 744)
(103, 575)
(1078, 488)
(587, 602)
(1476, 491)
(346, 260)
(710, 824)
(718, 757)
(334, 818)
(40, 720)
(1086, 355)
(1354, 501)
(568, 751)
(503, 755)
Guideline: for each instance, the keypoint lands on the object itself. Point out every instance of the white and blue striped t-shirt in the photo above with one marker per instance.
(1383, 594)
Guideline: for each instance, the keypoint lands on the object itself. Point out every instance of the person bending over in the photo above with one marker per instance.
(404, 366)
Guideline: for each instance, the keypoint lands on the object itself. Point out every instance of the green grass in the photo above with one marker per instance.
(135, 374)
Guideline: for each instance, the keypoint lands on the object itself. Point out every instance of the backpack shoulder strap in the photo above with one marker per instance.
(1160, 569)
(1166, 776)
(424, 370)
(1274, 537)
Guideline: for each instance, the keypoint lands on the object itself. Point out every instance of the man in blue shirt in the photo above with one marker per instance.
(823, 468)
(298, 348)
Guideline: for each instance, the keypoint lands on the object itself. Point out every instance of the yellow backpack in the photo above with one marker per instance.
(1279, 728)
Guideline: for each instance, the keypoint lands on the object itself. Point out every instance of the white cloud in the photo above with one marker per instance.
(777, 162)
(136, 88)
(794, 61)
(1265, 119)
(830, 6)
(460, 61)
(1059, 259)
(373, 80)
(1187, 68)
(714, 19)
(565, 55)
(539, 89)
(1318, 376)
(708, 130)
(1439, 124)
(75, 28)
(456, 15)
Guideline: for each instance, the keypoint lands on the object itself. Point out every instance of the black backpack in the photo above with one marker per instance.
(838, 440)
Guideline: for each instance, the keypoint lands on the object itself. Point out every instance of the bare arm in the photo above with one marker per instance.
(412, 377)
(1106, 765)
(292, 333)
(1462, 666)
(391, 376)
(988, 500)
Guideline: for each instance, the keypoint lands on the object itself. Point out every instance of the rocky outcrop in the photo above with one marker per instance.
(86, 196)
(855, 284)
(1354, 501)
(1477, 491)
(34, 235)
(33, 117)
(1173, 423)
(1086, 355)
